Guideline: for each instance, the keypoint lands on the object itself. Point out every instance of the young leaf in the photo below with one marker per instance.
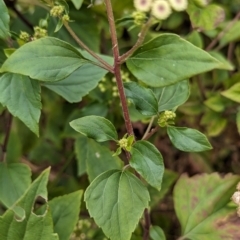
(98, 128)
(46, 59)
(156, 233)
(206, 18)
(65, 211)
(116, 200)
(201, 206)
(15, 178)
(94, 158)
(21, 96)
(233, 93)
(77, 3)
(79, 83)
(162, 61)
(148, 162)
(188, 140)
(143, 98)
(4, 20)
(172, 96)
(20, 223)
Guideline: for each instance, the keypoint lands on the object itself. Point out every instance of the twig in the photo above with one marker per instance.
(151, 133)
(148, 128)
(104, 64)
(221, 34)
(147, 225)
(117, 69)
(139, 42)
(7, 133)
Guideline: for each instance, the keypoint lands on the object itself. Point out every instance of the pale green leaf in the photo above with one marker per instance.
(226, 64)
(4, 20)
(217, 103)
(94, 158)
(45, 59)
(156, 233)
(188, 140)
(116, 200)
(233, 93)
(195, 38)
(201, 206)
(20, 223)
(232, 34)
(172, 96)
(79, 83)
(98, 128)
(15, 178)
(162, 61)
(206, 18)
(143, 98)
(148, 162)
(77, 3)
(21, 96)
(65, 213)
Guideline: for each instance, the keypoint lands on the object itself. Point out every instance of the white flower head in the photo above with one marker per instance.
(143, 5)
(179, 5)
(161, 9)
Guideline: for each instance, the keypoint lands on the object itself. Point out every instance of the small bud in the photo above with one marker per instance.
(179, 5)
(236, 198)
(139, 17)
(24, 36)
(123, 143)
(166, 118)
(39, 33)
(202, 3)
(65, 18)
(142, 5)
(161, 9)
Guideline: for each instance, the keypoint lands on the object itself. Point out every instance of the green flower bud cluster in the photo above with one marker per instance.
(166, 118)
(65, 18)
(57, 11)
(24, 36)
(39, 33)
(115, 91)
(125, 76)
(139, 17)
(125, 143)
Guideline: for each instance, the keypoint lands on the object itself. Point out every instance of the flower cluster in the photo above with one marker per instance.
(161, 9)
(236, 198)
(39, 33)
(124, 143)
(24, 36)
(58, 11)
(166, 118)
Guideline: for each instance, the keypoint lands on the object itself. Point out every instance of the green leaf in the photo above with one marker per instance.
(46, 59)
(207, 18)
(156, 233)
(172, 96)
(169, 177)
(233, 93)
(4, 20)
(143, 98)
(188, 140)
(116, 200)
(65, 211)
(21, 96)
(94, 158)
(98, 128)
(217, 103)
(201, 206)
(148, 162)
(79, 83)
(20, 223)
(77, 3)
(232, 34)
(162, 61)
(226, 64)
(195, 38)
(15, 178)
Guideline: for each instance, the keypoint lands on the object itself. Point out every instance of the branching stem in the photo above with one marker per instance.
(104, 64)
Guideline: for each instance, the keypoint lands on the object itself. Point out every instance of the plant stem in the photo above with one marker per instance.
(7, 134)
(141, 37)
(104, 64)
(147, 225)
(221, 34)
(148, 128)
(117, 69)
